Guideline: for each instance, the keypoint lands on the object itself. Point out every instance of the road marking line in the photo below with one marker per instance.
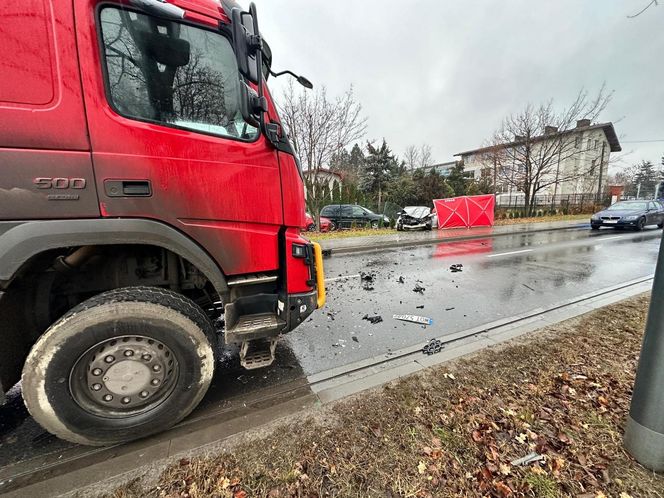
(345, 277)
(609, 238)
(508, 253)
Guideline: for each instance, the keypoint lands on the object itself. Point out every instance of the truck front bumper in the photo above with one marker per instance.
(298, 307)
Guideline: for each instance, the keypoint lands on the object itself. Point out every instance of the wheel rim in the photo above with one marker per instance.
(374, 224)
(642, 223)
(123, 376)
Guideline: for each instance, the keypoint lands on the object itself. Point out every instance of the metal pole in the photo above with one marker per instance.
(601, 167)
(644, 433)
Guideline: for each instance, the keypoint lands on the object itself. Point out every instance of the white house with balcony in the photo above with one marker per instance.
(587, 148)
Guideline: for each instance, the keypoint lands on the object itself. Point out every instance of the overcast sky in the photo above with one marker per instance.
(446, 72)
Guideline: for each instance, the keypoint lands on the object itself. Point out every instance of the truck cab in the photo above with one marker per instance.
(150, 210)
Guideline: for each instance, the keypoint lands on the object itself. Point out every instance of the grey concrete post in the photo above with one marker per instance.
(644, 433)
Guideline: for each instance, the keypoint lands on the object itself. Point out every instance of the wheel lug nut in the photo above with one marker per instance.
(107, 397)
(156, 368)
(147, 357)
(154, 382)
(109, 359)
(97, 371)
(144, 394)
(129, 352)
(126, 400)
(96, 387)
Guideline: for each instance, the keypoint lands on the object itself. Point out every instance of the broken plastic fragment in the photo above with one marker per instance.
(373, 319)
(414, 318)
(525, 460)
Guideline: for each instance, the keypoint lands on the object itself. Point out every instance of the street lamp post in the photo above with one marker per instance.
(644, 433)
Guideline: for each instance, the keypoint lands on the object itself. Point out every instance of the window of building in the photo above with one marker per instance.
(577, 142)
(172, 74)
(596, 144)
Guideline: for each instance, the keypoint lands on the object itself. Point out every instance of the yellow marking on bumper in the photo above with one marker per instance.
(320, 274)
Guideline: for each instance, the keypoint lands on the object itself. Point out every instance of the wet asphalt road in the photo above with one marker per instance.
(500, 277)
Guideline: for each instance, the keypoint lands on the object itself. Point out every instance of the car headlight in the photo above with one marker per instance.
(385, 218)
(594, 217)
(630, 218)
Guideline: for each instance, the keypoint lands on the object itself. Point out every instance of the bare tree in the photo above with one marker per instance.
(319, 128)
(529, 151)
(425, 156)
(411, 157)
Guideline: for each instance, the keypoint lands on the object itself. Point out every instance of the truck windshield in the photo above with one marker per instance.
(172, 74)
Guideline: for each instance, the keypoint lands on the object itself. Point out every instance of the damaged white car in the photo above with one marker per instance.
(415, 218)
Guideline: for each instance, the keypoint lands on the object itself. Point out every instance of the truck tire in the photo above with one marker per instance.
(120, 366)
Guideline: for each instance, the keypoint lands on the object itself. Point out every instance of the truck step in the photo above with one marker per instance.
(258, 353)
(256, 326)
(257, 278)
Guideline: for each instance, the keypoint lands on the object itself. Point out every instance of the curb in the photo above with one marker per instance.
(413, 243)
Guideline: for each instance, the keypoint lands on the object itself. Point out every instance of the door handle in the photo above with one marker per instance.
(128, 188)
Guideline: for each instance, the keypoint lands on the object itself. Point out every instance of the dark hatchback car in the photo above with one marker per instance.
(629, 214)
(352, 215)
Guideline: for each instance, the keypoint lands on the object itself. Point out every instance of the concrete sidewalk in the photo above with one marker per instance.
(398, 239)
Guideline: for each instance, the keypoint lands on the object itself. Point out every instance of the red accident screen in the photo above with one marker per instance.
(468, 211)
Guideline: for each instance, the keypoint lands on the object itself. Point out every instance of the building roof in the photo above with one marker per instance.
(609, 131)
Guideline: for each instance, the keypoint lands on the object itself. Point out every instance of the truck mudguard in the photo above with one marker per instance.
(20, 241)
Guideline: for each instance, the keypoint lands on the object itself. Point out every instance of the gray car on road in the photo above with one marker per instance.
(629, 214)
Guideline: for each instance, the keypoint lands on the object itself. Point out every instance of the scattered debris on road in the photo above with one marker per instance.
(420, 307)
(401, 280)
(456, 268)
(449, 309)
(355, 339)
(433, 346)
(367, 280)
(373, 319)
(424, 320)
(419, 289)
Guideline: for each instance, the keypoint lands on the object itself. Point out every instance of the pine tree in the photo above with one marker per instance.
(646, 176)
(379, 166)
(457, 180)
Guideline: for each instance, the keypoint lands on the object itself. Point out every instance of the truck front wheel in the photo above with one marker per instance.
(122, 365)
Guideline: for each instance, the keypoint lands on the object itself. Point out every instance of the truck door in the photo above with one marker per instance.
(168, 139)
(45, 164)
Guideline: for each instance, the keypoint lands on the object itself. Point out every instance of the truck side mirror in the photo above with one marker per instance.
(246, 44)
(251, 105)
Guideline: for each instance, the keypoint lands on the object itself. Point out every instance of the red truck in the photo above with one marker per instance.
(150, 210)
